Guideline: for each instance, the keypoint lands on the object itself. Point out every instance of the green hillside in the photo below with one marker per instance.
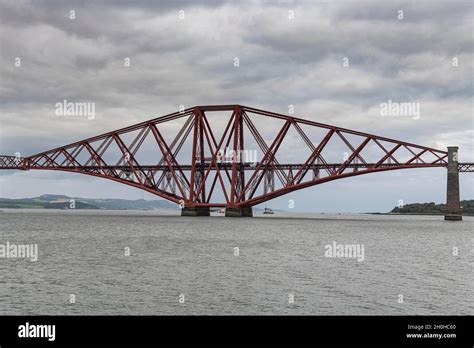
(432, 208)
(65, 202)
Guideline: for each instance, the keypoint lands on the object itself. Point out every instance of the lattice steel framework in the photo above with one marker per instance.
(206, 166)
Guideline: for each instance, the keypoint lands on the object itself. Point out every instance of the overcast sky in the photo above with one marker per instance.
(290, 53)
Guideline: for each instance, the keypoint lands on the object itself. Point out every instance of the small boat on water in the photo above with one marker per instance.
(268, 211)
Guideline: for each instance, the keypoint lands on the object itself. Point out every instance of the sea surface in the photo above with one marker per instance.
(190, 265)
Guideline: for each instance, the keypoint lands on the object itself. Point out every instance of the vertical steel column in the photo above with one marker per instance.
(201, 157)
(235, 155)
(191, 207)
(238, 176)
(241, 172)
(193, 157)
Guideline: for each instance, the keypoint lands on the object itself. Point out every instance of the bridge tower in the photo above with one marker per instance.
(197, 172)
(238, 174)
(453, 204)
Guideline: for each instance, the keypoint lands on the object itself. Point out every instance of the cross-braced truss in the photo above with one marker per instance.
(241, 156)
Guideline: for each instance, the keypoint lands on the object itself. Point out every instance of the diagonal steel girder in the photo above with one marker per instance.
(199, 176)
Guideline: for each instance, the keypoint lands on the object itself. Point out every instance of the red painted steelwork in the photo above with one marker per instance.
(241, 183)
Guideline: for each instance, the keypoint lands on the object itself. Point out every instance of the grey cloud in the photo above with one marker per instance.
(190, 62)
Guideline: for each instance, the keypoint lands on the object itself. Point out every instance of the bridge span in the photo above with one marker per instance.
(200, 161)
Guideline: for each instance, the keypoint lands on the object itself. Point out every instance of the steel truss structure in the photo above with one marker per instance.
(217, 162)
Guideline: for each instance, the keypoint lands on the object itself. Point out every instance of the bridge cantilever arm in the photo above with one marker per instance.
(14, 162)
(466, 167)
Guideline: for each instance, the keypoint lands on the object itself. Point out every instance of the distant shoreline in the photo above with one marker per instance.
(176, 212)
(63, 202)
(435, 214)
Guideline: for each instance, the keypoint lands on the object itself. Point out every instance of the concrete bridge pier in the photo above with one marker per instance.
(238, 212)
(195, 211)
(453, 203)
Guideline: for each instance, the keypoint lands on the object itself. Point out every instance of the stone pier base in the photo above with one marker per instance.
(195, 211)
(238, 212)
(453, 217)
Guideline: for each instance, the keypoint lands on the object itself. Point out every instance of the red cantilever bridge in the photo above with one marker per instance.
(217, 156)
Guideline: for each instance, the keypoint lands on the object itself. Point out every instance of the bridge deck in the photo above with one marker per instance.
(12, 162)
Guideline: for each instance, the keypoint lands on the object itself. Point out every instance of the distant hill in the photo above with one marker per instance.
(49, 201)
(432, 208)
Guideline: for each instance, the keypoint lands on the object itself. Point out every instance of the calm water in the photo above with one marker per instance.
(82, 253)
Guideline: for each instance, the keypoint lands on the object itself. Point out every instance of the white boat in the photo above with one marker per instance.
(268, 211)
